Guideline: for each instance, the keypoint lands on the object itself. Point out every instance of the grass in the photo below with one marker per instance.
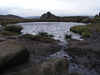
(86, 34)
(44, 37)
(8, 33)
(28, 36)
(85, 31)
(13, 28)
(44, 34)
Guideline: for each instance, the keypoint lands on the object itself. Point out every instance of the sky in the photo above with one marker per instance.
(58, 7)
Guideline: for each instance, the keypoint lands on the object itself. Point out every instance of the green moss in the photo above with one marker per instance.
(39, 37)
(79, 29)
(8, 33)
(85, 31)
(86, 20)
(44, 34)
(86, 34)
(13, 28)
(28, 36)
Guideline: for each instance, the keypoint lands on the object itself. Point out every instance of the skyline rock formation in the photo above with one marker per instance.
(48, 15)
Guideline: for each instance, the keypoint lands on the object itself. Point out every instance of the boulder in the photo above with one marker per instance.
(84, 54)
(55, 66)
(2, 39)
(12, 54)
(40, 47)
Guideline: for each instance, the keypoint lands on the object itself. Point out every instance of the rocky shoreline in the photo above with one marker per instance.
(40, 54)
(35, 52)
(86, 52)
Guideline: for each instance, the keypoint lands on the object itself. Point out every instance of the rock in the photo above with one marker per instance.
(58, 66)
(1, 28)
(52, 66)
(11, 37)
(12, 54)
(48, 15)
(41, 48)
(84, 54)
(2, 39)
(75, 73)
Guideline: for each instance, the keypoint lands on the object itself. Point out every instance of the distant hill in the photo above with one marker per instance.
(32, 17)
(9, 19)
(9, 16)
(46, 17)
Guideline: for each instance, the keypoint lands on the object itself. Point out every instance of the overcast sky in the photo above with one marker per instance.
(58, 7)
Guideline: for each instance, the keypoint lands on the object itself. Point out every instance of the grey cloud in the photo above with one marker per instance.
(64, 7)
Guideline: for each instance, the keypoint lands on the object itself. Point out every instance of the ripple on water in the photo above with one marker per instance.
(58, 29)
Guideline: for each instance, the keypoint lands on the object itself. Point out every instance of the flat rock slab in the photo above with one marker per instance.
(52, 66)
(84, 44)
(55, 66)
(2, 39)
(11, 54)
(38, 48)
(85, 54)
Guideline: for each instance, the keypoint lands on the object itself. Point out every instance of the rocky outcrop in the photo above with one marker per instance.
(99, 13)
(51, 66)
(48, 15)
(12, 54)
(85, 54)
(41, 46)
(39, 50)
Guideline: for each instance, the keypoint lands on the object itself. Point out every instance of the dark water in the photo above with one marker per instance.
(58, 29)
